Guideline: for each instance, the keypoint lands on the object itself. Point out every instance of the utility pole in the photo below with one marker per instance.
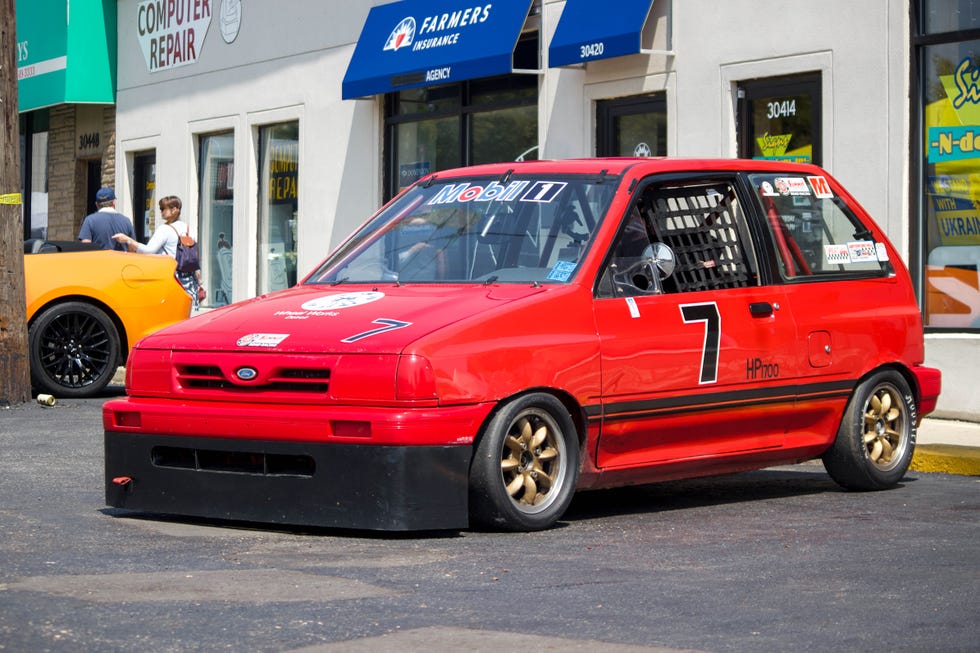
(15, 380)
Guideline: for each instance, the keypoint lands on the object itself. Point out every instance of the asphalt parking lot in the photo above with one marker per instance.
(772, 560)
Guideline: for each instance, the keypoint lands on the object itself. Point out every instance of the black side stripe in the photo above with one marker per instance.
(641, 409)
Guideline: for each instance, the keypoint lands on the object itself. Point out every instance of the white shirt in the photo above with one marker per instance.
(164, 239)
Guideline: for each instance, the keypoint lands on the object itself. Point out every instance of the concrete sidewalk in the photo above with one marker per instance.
(948, 446)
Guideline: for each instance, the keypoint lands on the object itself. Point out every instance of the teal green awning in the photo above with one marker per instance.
(66, 52)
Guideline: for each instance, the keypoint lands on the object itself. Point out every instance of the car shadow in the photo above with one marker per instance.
(760, 485)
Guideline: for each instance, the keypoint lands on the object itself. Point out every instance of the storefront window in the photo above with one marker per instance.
(951, 183)
(950, 15)
(440, 127)
(34, 173)
(779, 119)
(144, 194)
(278, 205)
(217, 193)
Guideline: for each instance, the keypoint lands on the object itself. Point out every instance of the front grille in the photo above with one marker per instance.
(288, 379)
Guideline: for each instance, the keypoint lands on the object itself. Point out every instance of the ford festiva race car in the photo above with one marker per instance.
(87, 306)
(500, 336)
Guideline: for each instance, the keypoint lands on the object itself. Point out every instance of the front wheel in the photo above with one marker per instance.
(876, 438)
(74, 350)
(526, 465)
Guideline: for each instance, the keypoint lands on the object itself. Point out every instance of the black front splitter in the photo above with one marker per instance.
(394, 488)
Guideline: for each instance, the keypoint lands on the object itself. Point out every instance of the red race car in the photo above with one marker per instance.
(498, 337)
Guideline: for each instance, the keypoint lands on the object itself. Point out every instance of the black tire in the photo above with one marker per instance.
(525, 466)
(876, 438)
(74, 350)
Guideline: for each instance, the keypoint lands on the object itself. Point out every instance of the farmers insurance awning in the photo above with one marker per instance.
(599, 29)
(422, 42)
(66, 52)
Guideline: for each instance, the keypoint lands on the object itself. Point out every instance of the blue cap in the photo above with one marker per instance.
(105, 194)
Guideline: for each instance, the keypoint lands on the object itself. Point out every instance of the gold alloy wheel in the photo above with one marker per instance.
(886, 427)
(532, 460)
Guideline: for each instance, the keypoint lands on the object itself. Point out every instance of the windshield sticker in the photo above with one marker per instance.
(343, 300)
(524, 191)
(821, 188)
(543, 191)
(387, 325)
(881, 251)
(561, 271)
(467, 192)
(792, 186)
(261, 339)
(862, 251)
(836, 254)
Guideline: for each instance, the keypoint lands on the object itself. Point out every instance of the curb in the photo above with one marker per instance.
(946, 459)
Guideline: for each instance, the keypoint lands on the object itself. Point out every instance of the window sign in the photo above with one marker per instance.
(951, 128)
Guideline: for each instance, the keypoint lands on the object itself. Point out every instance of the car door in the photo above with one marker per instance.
(698, 359)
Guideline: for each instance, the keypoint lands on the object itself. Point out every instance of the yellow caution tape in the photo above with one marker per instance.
(10, 198)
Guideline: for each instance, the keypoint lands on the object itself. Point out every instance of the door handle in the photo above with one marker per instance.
(760, 309)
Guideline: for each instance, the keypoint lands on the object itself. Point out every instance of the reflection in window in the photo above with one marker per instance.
(217, 192)
(450, 125)
(278, 205)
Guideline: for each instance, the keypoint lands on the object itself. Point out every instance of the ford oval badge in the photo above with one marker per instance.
(246, 373)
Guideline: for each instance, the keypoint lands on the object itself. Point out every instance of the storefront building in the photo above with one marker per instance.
(283, 126)
(66, 57)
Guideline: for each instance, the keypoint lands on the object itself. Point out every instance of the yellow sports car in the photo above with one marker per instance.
(87, 307)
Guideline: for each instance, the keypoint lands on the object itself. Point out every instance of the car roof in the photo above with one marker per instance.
(618, 165)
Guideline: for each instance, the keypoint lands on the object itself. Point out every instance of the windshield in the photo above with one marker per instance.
(521, 229)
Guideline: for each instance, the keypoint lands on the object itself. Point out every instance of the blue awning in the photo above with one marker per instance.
(590, 30)
(423, 42)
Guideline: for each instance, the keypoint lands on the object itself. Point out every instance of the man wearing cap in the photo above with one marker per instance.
(98, 227)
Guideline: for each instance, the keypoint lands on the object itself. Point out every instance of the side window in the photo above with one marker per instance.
(814, 232)
(681, 237)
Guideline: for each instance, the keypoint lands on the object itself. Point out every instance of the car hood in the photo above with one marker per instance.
(326, 319)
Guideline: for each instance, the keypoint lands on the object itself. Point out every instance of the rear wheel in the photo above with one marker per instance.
(525, 467)
(876, 438)
(74, 350)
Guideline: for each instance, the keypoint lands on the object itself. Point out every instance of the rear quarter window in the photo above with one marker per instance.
(815, 233)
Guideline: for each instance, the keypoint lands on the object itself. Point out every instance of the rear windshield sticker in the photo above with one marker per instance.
(862, 251)
(836, 254)
(881, 251)
(343, 300)
(261, 339)
(767, 190)
(820, 187)
(792, 186)
(561, 271)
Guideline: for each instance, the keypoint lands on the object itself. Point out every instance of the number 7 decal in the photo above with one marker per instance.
(707, 313)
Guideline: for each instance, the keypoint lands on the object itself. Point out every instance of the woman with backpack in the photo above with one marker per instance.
(172, 238)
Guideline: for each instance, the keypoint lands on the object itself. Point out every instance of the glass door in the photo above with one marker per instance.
(779, 119)
(633, 126)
